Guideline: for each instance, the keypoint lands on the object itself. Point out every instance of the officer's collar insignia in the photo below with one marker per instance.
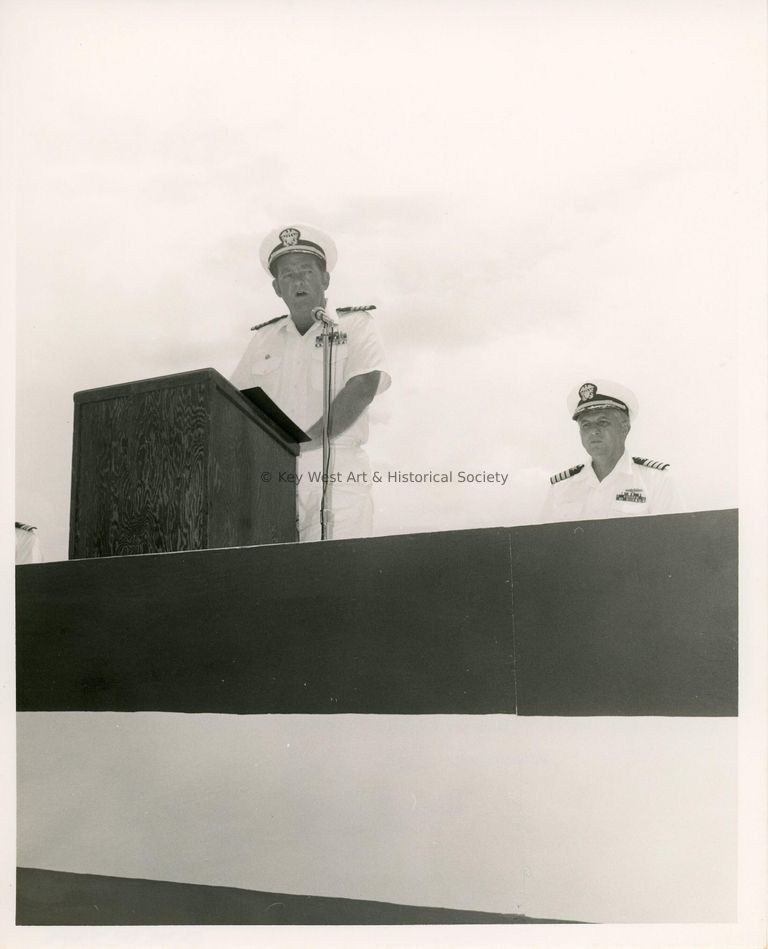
(289, 237)
(587, 391)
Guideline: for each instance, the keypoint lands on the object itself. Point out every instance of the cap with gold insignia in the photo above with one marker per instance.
(602, 394)
(297, 239)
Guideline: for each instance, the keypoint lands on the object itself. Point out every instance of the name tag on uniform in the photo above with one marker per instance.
(632, 494)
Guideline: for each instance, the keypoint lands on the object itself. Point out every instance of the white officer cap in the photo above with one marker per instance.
(297, 239)
(602, 394)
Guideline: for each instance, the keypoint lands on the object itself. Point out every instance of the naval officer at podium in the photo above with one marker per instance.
(615, 483)
(285, 358)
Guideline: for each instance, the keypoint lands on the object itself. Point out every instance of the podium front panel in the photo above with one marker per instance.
(172, 464)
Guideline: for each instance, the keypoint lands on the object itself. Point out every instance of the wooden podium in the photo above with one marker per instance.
(180, 462)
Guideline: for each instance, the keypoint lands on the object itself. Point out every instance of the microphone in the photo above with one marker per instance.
(321, 316)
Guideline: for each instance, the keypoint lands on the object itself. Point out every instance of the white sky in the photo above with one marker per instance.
(532, 193)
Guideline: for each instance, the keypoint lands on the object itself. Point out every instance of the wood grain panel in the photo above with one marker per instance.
(173, 463)
(249, 503)
(142, 473)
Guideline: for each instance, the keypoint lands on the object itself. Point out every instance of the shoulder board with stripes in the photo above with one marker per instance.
(259, 326)
(24, 527)
(564, 475)
(647, 463)
(355, 309)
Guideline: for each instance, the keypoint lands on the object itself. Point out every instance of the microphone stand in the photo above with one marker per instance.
(327, 335)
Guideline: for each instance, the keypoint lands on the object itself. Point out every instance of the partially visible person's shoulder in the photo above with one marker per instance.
(565, 475)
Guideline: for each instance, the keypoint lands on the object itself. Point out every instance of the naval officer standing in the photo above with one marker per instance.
(614, 483)
(285, 358)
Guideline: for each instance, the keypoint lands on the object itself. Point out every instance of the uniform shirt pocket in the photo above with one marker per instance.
(631, 508)
(265, 365)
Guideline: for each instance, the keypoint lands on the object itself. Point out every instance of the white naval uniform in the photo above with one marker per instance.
(630, 490)
(289, 368)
